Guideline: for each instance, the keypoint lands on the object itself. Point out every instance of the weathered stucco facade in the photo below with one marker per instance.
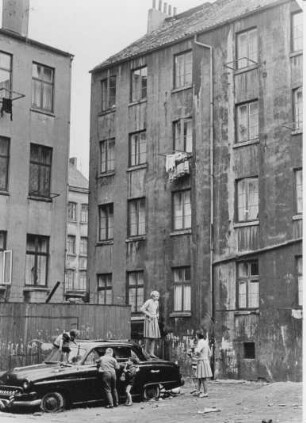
(256, 328)
(33, 220)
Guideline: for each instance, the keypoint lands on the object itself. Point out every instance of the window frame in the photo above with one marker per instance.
(9, 70)
(184, 284)
(247, 180)
(250, 61)
(238, 107)
(136, 138)
(298, 191)
(299, 277)
(6, 159)
(184, 215)
(109, 161)
(72, 206)
(43, 84)
(42, 167)
(138, 285)
(84, 242)
(297, 109)
(108, 210)
(292, 33)
(84, 212)
(71, 241)
(247, 279)
(140, 93)
(140, 211)
(181, 136)
(107, 286)
(5, 261)
(36, 255)
(108, 93)
(69, 285)
(187, 81)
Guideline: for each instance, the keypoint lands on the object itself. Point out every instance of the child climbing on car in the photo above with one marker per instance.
(129, 373)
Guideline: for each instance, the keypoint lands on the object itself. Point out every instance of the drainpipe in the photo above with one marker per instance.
(211, 124)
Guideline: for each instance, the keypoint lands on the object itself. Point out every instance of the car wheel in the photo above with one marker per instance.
(151, 392)
(52, 402)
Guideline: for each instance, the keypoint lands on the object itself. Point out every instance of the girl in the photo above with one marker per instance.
(151, 329)
(203, 353)
(131, 368)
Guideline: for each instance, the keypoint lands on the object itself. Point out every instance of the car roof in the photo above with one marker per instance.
(106, 342)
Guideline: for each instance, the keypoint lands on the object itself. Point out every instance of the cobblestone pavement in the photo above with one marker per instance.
(236, 402)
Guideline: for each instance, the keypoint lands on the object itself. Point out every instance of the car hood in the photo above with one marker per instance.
(34, 373)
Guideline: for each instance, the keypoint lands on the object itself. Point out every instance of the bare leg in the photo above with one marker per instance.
(205, 385)
(152, 346)
(128, 395)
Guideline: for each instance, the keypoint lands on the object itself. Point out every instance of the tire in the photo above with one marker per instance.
(52, 402)
(151, 392)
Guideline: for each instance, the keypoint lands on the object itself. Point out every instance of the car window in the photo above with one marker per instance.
(122, 353)
(91, 358)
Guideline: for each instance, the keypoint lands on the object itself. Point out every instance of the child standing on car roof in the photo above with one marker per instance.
(130, 370)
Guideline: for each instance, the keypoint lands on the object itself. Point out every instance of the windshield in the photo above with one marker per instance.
(76, 355)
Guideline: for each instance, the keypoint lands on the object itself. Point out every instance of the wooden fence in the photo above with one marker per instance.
(27, 331)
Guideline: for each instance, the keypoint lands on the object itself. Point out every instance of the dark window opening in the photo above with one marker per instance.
(249, 350)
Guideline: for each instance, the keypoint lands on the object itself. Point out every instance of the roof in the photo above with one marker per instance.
(185, 25)
(34, 43)
(76, 179)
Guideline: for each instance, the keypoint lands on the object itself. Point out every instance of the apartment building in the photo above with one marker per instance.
(77, 228)
(34, 146)
(196, 182)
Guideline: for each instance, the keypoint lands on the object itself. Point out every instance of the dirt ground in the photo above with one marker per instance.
(228, 402)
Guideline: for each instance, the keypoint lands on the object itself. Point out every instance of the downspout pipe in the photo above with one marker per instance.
(211, 124)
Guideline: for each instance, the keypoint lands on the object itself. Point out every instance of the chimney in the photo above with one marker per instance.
(15, 16)
(73, 161)
(157, 16)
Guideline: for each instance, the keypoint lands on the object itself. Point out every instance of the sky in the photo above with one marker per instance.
(91, 30)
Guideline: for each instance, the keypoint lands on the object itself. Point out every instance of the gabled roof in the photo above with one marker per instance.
(187, 24)
(76, 179)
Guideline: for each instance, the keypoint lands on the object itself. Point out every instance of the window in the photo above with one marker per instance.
(299, 266)
(181, 210)
(105, 290)
(247, 49)
(84, 213)
(182, 135)
(4, 162)
(42, 87)
(139, 84)
(247, 199)
(72, 211)
(83, 262)
(138, 148)
(247, 121)
(106, 221)
(299, 190)
(83, 246)
(37, 260)
(108, 93)
(71, 244)
(182, 289)
(135, 291)
(297, 31)
(82, 280)
(107, 155)
(40, 170)
(298, 108)
(5, 74)
(249, 350)
(69, 279)
(248, 284)
(5, 261)
(183, 70)
(137, 217)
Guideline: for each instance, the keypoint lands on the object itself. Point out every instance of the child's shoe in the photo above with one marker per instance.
(202, 395)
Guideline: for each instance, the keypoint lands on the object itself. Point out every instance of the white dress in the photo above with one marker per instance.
(151, 328)
(203, 353)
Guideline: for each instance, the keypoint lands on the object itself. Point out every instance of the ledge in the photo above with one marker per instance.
(107, 112)
(138, 167)
(296, 53)
(247, 69)
(297, 131)
(42, 112)
(44, 199)
(36, 288)
(246, 143)
(246, 312)
(136, 238)
(180, 314)
(245, 224)
(5, 193)
(177, 90)
(181, 232)
(3, 287)
(297, 217)
(134, 103)
(106, 242)
(106, 174)
(137, 318)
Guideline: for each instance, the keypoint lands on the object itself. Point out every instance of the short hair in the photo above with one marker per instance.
(74, 333)
(200, 335)
(154, 293)
(109, 351)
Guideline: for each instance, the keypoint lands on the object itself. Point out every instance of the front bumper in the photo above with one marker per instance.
(19, 400)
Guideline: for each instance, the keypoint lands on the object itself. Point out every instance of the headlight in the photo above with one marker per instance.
(26, 384)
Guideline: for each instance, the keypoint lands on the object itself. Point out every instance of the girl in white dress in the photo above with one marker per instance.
(151, 329)
(203, 354)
